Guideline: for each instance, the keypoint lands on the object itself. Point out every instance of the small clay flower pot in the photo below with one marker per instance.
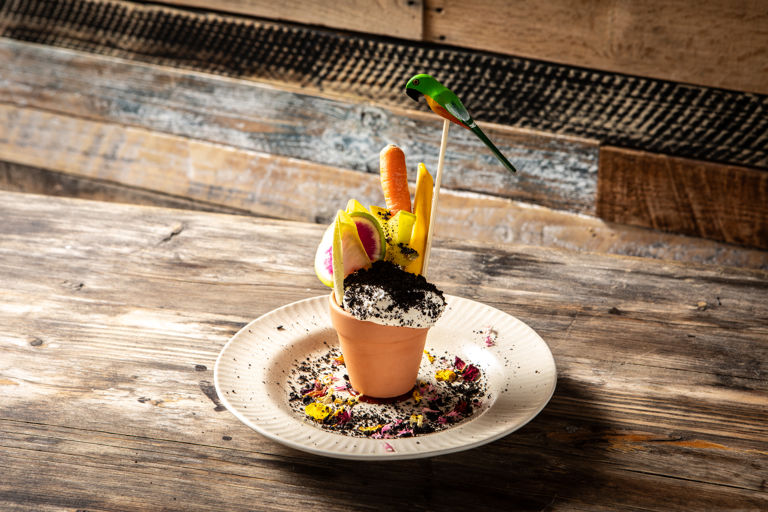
(382, 360)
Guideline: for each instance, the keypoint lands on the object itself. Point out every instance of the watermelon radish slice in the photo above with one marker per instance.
(353, 254)
(324, 257)
(371, 234)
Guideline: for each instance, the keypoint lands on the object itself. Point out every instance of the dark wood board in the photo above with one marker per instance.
(113, 316)
(683, 40)
(679, 195)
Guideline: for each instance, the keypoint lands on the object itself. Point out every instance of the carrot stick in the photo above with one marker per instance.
(394, 179)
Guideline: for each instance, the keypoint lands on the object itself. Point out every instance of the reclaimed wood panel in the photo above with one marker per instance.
(113, 316)
(394, 18)
(260, 182)
(680, 40)
(286, 188)
(33, 180)
(623, 110)
(719, 202)
(718, 43)
(555, 171)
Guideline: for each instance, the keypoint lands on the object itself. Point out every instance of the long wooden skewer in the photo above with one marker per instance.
(435, 196)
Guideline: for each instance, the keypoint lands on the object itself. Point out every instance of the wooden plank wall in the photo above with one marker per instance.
(728, 203)
(180, 137)
(718, 43)
(394, 18)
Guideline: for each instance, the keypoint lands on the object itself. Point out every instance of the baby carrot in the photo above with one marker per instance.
(394, 179)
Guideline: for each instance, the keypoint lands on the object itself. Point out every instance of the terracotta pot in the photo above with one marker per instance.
(382, 360)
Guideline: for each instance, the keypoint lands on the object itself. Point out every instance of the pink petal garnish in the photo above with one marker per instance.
(471, 372)
(343, 417)
(461, 407)
(459, 364)
(388, 447)
(490, 338)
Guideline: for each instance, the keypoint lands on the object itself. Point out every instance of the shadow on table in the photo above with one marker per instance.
(552, 458)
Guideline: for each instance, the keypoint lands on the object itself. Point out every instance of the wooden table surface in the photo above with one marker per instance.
(112, 316)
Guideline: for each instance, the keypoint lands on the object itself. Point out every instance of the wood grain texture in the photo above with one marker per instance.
(680, 40)
(394, 18)
(719, 202)
(558, 172)
(113, 316)
(155, 161)
(622, 110)
(462, 216)
(718, 43)
(33, 180)
(271, 186)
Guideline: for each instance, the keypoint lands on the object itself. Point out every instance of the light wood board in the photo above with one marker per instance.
(113, 316)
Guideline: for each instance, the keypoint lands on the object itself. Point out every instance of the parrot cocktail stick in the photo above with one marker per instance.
(435, 197)
(446, 104)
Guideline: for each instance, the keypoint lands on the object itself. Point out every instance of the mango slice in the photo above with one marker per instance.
(353, 205)
(348, 253)
(338, 263)
(398, 233)
(422, 207)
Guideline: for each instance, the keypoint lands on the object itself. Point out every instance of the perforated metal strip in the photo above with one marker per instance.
(653, 115)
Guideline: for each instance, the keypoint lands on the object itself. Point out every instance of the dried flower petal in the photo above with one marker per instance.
(470, 373)
(416, 419)
(344, 417)
(491, 337)
(388, 447)
(430, 357)
(317, 411)
(446, 375)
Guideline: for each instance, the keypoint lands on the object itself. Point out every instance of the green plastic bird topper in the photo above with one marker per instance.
(447, 105)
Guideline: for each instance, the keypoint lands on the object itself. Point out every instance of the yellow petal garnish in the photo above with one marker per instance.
(317, 411)
(416, 419)
(430, 357)
(446, 375)
(369, 429)
(416, 395)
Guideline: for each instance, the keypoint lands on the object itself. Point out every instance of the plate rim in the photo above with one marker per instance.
(386, 455)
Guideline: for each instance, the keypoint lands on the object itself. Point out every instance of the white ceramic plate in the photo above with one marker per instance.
(253, 368)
